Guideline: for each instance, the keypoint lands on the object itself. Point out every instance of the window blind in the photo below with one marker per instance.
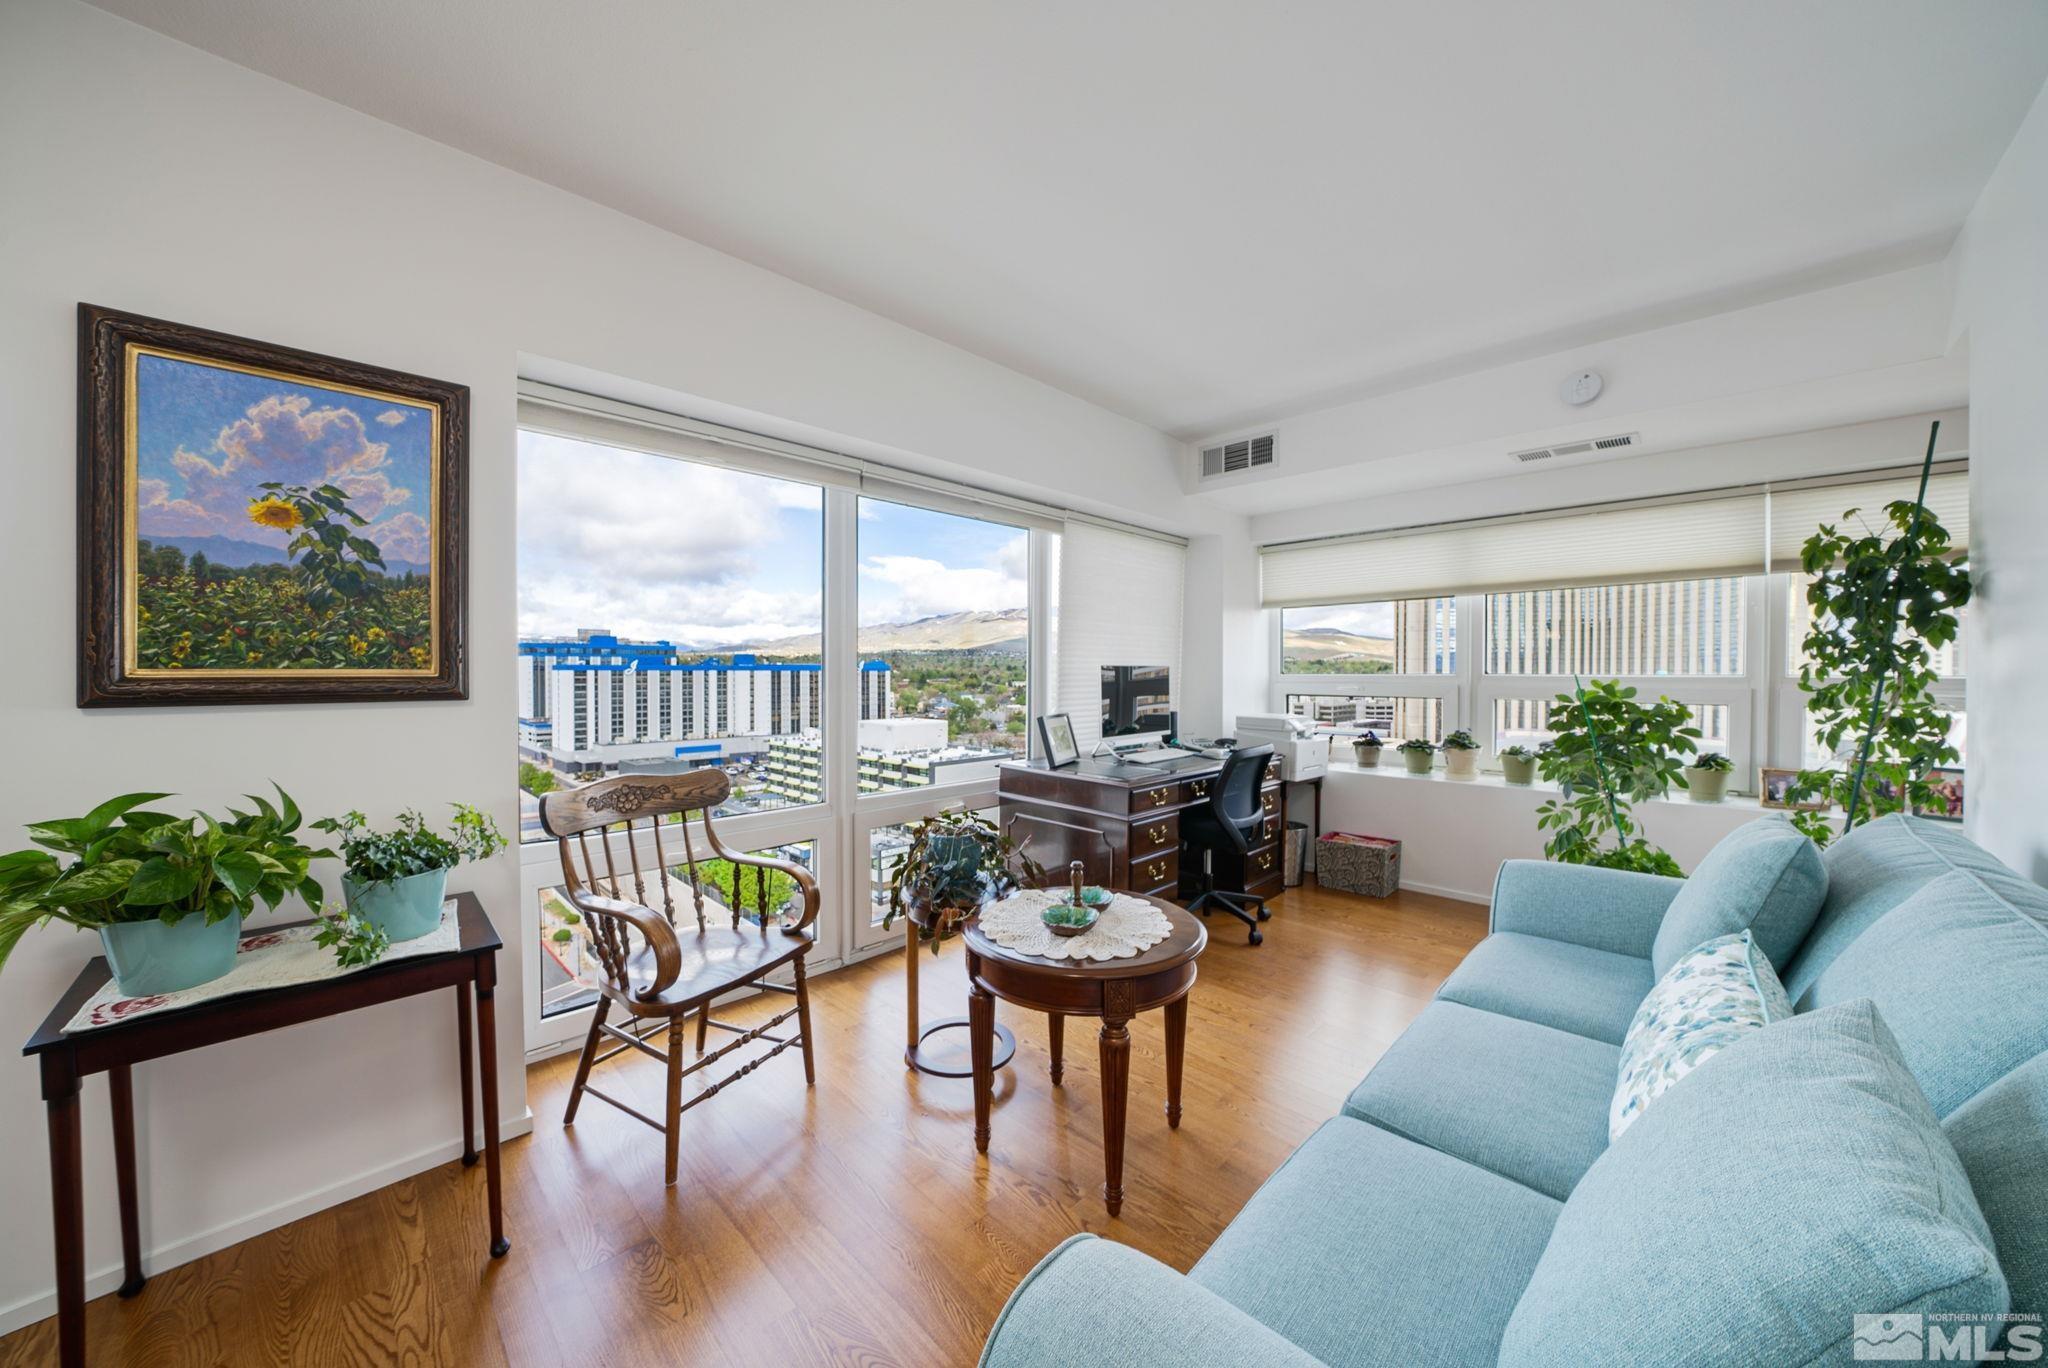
(1120, 604)
(1798, 513)
(1747, 531)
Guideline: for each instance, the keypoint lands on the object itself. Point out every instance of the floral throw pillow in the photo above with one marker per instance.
(1706, 1001)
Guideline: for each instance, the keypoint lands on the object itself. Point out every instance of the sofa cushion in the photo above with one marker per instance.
(1871, 870)
(1352, 1248)
(2001, 1135)
(1796, 1179)
(1960, 971)
(1710, 999)
(1553, 983)
(1525, 1101)
(1764, 877)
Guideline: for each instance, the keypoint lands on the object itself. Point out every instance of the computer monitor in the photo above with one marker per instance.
(1136, 698)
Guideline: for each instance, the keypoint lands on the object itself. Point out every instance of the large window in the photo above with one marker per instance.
(669, 620)
(1678, 627)
(1412, 636)
(943, 646)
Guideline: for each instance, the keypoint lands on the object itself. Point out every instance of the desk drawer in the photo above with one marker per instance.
(1154, 799)
(1270, 801)
(1155, 871)
(1151, 837)
(1195, 790)
(1262, 864)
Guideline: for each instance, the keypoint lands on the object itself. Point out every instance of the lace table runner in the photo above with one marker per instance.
(264, 959)
(1128, 926)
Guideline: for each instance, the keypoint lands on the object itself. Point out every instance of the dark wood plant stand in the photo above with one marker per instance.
(1116, 991)
(917, 1031)
(114, 1050)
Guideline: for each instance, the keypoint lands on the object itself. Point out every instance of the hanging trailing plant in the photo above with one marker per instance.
(1883, 600)
(1607, 753)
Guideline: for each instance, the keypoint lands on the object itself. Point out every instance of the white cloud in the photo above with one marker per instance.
(392, 417)
(912, 587)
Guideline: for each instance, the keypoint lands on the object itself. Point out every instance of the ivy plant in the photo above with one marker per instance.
(374, 856)
(955, 861)
(1607, 753)
(1882, 602)
(129, 863)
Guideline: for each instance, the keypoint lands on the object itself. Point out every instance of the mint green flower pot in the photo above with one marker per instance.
(405, 909)
(151, 957)
(1419, 762)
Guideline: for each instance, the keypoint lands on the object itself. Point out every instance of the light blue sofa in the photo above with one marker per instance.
(1410, 1228)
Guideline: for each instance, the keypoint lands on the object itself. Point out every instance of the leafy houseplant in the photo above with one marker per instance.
(1706, 778)
(1367, 749)
(396, 880)
(1607, 753)
(1461, 755)
(956, 860)
(167, 894)
(1518, 765)
(1881, 605)
(1417, 754)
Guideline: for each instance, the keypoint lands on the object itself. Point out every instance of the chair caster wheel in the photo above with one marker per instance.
(1264, 915)
(1257, 937)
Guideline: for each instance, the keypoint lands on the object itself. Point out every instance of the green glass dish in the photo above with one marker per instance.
(1065, 919)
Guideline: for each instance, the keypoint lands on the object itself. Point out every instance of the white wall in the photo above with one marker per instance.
(1454, 833)
(2001, 267)
(1225, 640)
(147, 176)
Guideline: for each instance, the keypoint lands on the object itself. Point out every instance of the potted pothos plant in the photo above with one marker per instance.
(956, 861)
(1518, 765)
(1706, 778)
(167, 894)
(1417, 754)
(1461, 755)
(1367, 748)
(1607, 753)
(396, 880)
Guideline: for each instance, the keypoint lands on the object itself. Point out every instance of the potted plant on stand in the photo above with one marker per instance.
(166, 894)
(397, 880)
(1417, 754)
(1367, 749)
(955, 862)
(1706, 778)
(1461, 755)
(1518, 765)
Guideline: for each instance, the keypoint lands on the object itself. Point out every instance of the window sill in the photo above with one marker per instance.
(1488, 779)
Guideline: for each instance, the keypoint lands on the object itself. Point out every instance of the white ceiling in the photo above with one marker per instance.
(1204, 213)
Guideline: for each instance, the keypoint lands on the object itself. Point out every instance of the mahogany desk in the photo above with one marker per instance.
(114, 1050)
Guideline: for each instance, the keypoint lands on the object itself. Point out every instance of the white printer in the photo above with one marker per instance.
(1301, 751)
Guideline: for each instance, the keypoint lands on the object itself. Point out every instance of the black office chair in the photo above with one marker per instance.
(1222, 829)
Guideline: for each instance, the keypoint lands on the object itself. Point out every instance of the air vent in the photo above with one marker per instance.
(1615, 443)
(1230, 458)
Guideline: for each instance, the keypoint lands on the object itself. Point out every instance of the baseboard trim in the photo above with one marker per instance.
(1455, 894)
(166, 1257)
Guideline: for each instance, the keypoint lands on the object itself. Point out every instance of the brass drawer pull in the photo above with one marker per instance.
(1161, 797)
(1157, 835)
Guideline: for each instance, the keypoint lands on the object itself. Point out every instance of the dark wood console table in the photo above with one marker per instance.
(114, 1050)
(1122, 822)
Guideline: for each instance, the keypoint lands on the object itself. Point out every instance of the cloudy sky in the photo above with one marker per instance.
(1360, 619)
(206, 438)
(651, 547)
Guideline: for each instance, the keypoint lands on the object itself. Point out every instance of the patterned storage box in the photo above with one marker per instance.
(1359, 864)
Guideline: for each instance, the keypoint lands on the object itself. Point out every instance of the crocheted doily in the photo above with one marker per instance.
(1128, 926)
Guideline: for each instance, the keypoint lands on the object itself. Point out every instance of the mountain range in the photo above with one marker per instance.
(1334, 644)
(1003, 632)
(236, 554)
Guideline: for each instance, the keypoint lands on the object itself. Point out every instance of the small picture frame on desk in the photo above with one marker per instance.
(1056, 735)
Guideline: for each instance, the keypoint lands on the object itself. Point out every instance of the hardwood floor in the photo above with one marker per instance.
(852, 1224)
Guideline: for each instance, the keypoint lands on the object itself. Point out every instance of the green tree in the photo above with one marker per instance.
(536, 780)
(1608, 752)
(202, 568)
(717, 875)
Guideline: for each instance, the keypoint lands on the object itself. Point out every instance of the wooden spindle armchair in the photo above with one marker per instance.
(656, 969)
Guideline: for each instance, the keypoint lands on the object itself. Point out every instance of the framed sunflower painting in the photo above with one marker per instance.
(263, 525)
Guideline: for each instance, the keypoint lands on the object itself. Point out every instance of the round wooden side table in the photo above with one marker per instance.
(937, 1062)
(1115, 991)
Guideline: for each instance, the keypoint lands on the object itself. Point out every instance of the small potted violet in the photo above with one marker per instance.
(1461, 755)
(396, 880)
(1418, 754)
(1518, 765)
(1706, 778)
(1367, 749)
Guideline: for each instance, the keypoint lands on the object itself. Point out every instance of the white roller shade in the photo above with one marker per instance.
(1718, 534)
(1120, 604)
(1797, 514)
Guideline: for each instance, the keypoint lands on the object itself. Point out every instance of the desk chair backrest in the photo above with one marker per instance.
(1234, 796)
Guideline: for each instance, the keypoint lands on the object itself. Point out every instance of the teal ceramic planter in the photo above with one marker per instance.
(405, 909)
(150, 957)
